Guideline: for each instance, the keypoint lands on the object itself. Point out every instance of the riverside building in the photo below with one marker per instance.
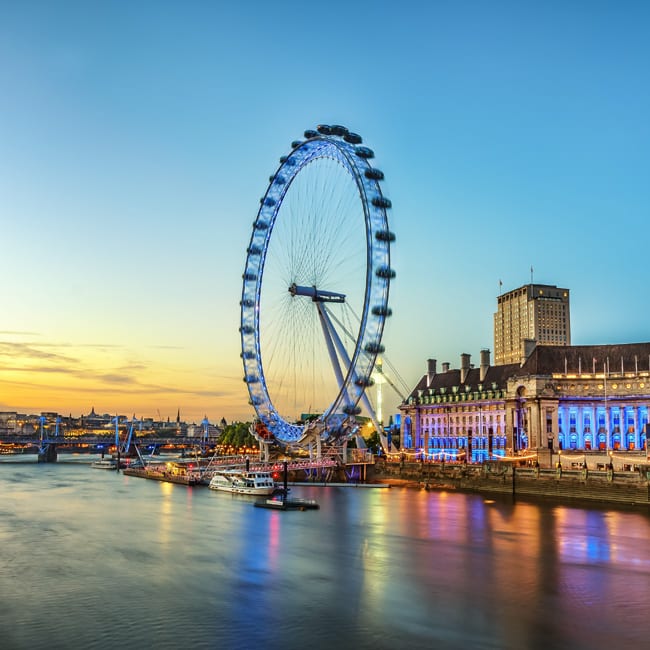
(590, 397)
(542, 392)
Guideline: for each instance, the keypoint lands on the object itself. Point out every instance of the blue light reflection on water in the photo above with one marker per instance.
(94, 559)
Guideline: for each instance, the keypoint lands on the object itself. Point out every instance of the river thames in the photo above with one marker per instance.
(96, 559)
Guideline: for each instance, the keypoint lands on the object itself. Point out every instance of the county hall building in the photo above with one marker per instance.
(552, 395)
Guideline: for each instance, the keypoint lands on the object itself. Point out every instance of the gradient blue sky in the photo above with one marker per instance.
(137, 137)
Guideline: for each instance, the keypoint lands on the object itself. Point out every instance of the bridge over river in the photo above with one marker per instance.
(99, 440)
(48, 447)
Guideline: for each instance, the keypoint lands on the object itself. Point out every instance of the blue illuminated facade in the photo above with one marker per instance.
(591, 398)
(457, 414)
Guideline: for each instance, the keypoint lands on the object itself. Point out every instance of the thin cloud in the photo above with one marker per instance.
(114, 378)
(27, 351)
(165, 347)
(93, 346)
(119, 385)
(62, 370)
(133, 367)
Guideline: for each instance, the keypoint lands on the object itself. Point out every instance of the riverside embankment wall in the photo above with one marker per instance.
(624, 488)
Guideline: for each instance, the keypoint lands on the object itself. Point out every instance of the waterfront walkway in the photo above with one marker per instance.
(621, 483)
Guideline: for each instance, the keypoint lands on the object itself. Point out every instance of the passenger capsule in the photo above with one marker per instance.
(364, 152)
(283, 159)
(270, 202)
(296, 143)
(309, 133)
(385, 272)
(375, 348)
(350, 409)
(247, 329)
(251, 379)
(323, 129)
(374, 174)
(254, 250)
(280, 180)
(249, 277)
(381, 202)
(385, 235)
(380, 310)
(249, 354)
(247, 302)
(365, 382)
(353, 138)
(261, 225)
(337, 129)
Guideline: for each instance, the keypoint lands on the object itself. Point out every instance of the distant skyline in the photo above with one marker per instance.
(137, 138)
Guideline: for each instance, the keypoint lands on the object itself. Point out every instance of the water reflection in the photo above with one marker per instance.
(134, 563)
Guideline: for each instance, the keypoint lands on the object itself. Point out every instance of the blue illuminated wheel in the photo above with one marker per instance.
(315, 287)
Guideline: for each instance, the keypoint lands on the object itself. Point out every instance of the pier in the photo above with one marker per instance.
(200, 472)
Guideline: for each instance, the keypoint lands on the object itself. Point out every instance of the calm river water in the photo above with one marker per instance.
(96, 559)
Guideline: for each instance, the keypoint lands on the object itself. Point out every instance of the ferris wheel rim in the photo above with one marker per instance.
(345, 147)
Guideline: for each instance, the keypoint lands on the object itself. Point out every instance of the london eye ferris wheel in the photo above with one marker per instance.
(315, 287)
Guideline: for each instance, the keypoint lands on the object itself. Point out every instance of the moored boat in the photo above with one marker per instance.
(243, 482)
(162, 473)
(104, 463)
(287, 504)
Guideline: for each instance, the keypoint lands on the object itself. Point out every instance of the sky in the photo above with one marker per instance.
(136, 139)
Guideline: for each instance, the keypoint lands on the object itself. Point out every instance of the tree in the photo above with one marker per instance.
(237, 435)
(373, 442)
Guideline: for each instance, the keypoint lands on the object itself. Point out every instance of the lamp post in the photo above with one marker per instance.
(610, 467)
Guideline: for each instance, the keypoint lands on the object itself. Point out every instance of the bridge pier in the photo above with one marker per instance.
(47, 454)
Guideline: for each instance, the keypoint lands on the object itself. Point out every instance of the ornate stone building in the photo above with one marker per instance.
(559, 397)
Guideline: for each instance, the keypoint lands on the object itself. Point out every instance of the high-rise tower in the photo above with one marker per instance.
(536, 313)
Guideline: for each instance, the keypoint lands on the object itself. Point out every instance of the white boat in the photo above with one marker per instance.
(104, 463)
(243, 482)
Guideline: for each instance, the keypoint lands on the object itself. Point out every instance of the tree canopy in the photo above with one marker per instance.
(237, 435)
